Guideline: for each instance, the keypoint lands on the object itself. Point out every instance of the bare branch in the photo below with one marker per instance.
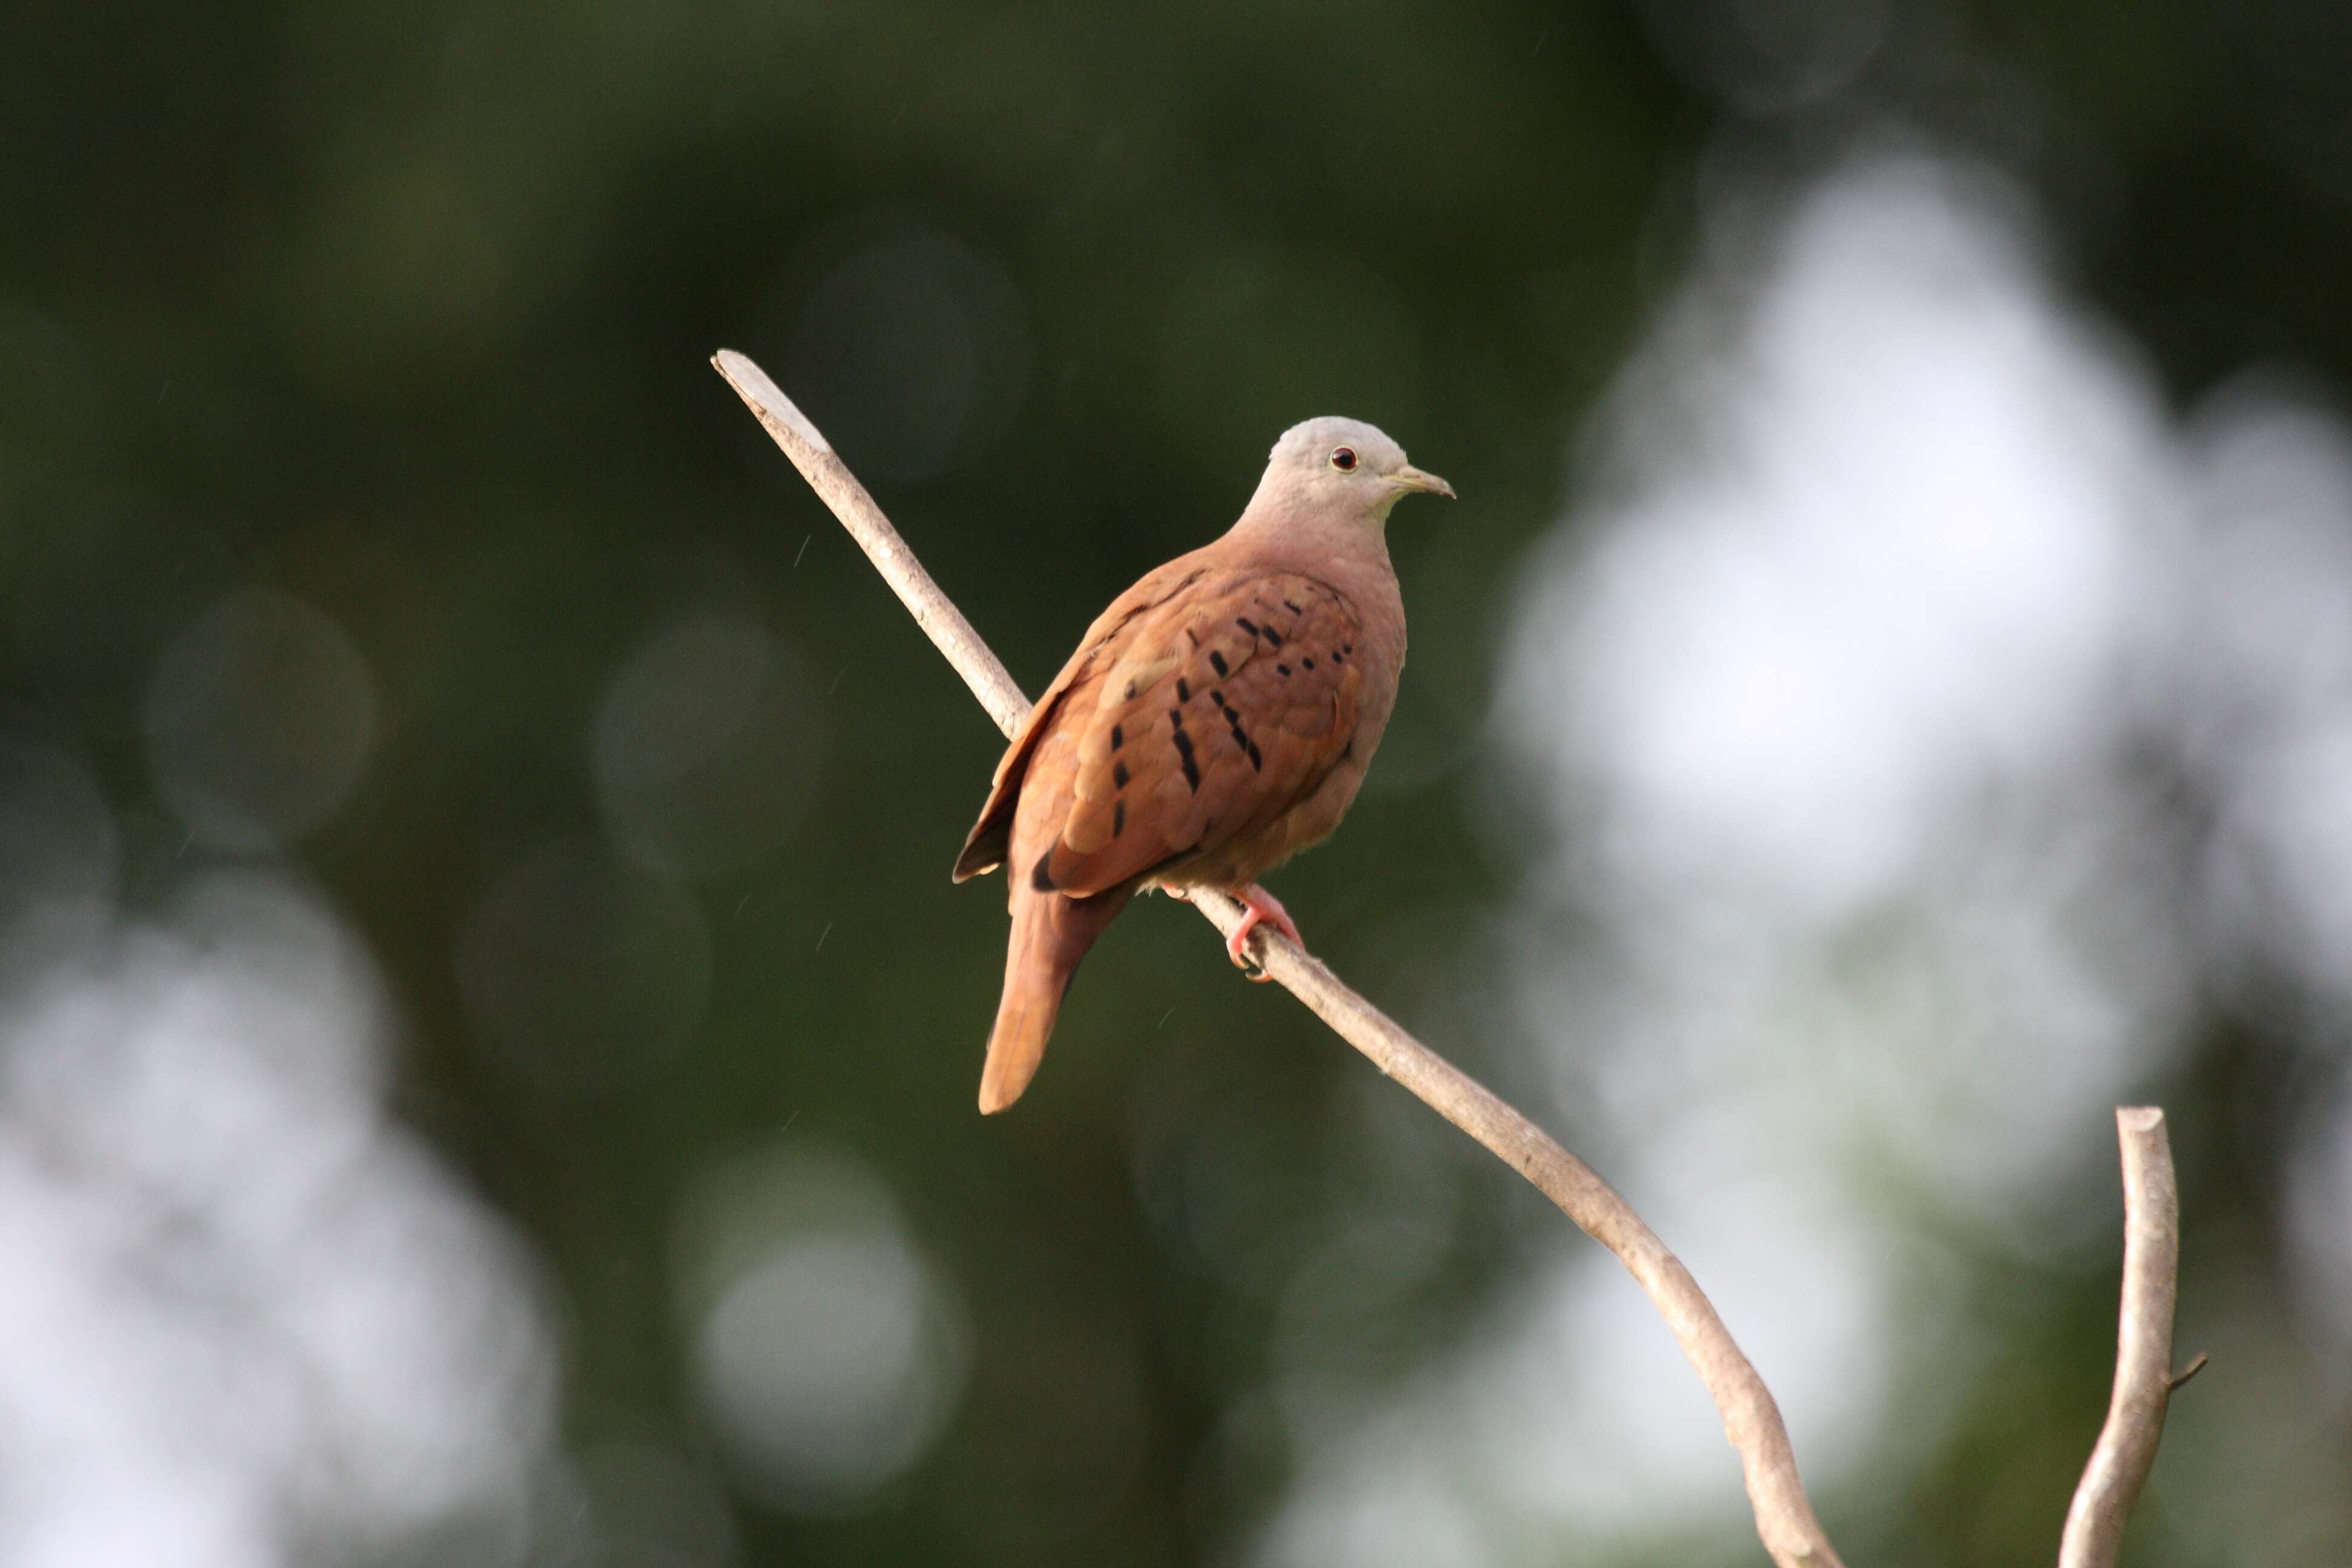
(2144, 1380)
(1784, 1518)
(827, 475)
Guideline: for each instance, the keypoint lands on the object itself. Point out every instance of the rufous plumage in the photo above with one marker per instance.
(1215, 721)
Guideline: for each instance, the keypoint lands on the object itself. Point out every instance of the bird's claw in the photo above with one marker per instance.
(1264, 908)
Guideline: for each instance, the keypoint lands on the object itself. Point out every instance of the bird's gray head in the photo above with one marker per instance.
(1341, 467)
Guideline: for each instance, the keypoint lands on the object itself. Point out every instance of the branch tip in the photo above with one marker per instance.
(2125, 1450)
(767, 400)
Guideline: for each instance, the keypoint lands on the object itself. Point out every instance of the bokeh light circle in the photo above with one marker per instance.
(911, 350)
(584, 971)
(826, 1349)
(259, 719)
(706, 746)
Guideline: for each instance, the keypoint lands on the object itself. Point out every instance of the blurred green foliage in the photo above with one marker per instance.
(404, 310)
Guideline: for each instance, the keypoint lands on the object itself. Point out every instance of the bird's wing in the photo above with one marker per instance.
(986, 847)
(1203, 719)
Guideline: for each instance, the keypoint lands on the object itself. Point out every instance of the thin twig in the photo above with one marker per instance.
(2144, 1380)
(827, 475)
(1784, 1518)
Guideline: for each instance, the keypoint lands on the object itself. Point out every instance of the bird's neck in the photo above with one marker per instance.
(1312, 542)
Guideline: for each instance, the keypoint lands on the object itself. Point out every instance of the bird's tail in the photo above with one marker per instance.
(1051, 935)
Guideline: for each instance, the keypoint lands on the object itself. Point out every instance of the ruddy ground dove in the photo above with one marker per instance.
(1216, 720)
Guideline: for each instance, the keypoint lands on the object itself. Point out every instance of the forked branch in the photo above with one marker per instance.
(1784, 1518)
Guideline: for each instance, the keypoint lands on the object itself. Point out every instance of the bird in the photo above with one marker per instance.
(1215, 720)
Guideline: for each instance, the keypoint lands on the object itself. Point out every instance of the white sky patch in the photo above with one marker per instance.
(244, 1311)
(2268, 654)
(1888, 549)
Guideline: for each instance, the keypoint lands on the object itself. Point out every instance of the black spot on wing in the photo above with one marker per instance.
(1184, 751)
(1218, 660)
(1119, 776)
(1117, 737)
(1118, 818)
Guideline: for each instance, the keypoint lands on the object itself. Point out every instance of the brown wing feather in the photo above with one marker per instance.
(1226, 706)
(985, 847)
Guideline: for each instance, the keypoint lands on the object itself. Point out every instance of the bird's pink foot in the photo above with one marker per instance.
(1264, 908)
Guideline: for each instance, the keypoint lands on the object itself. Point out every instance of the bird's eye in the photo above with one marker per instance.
(1343, 457)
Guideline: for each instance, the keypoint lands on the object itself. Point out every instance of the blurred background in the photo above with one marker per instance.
(487, 1039)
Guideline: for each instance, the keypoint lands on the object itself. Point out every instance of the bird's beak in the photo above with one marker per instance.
(1412, 478)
